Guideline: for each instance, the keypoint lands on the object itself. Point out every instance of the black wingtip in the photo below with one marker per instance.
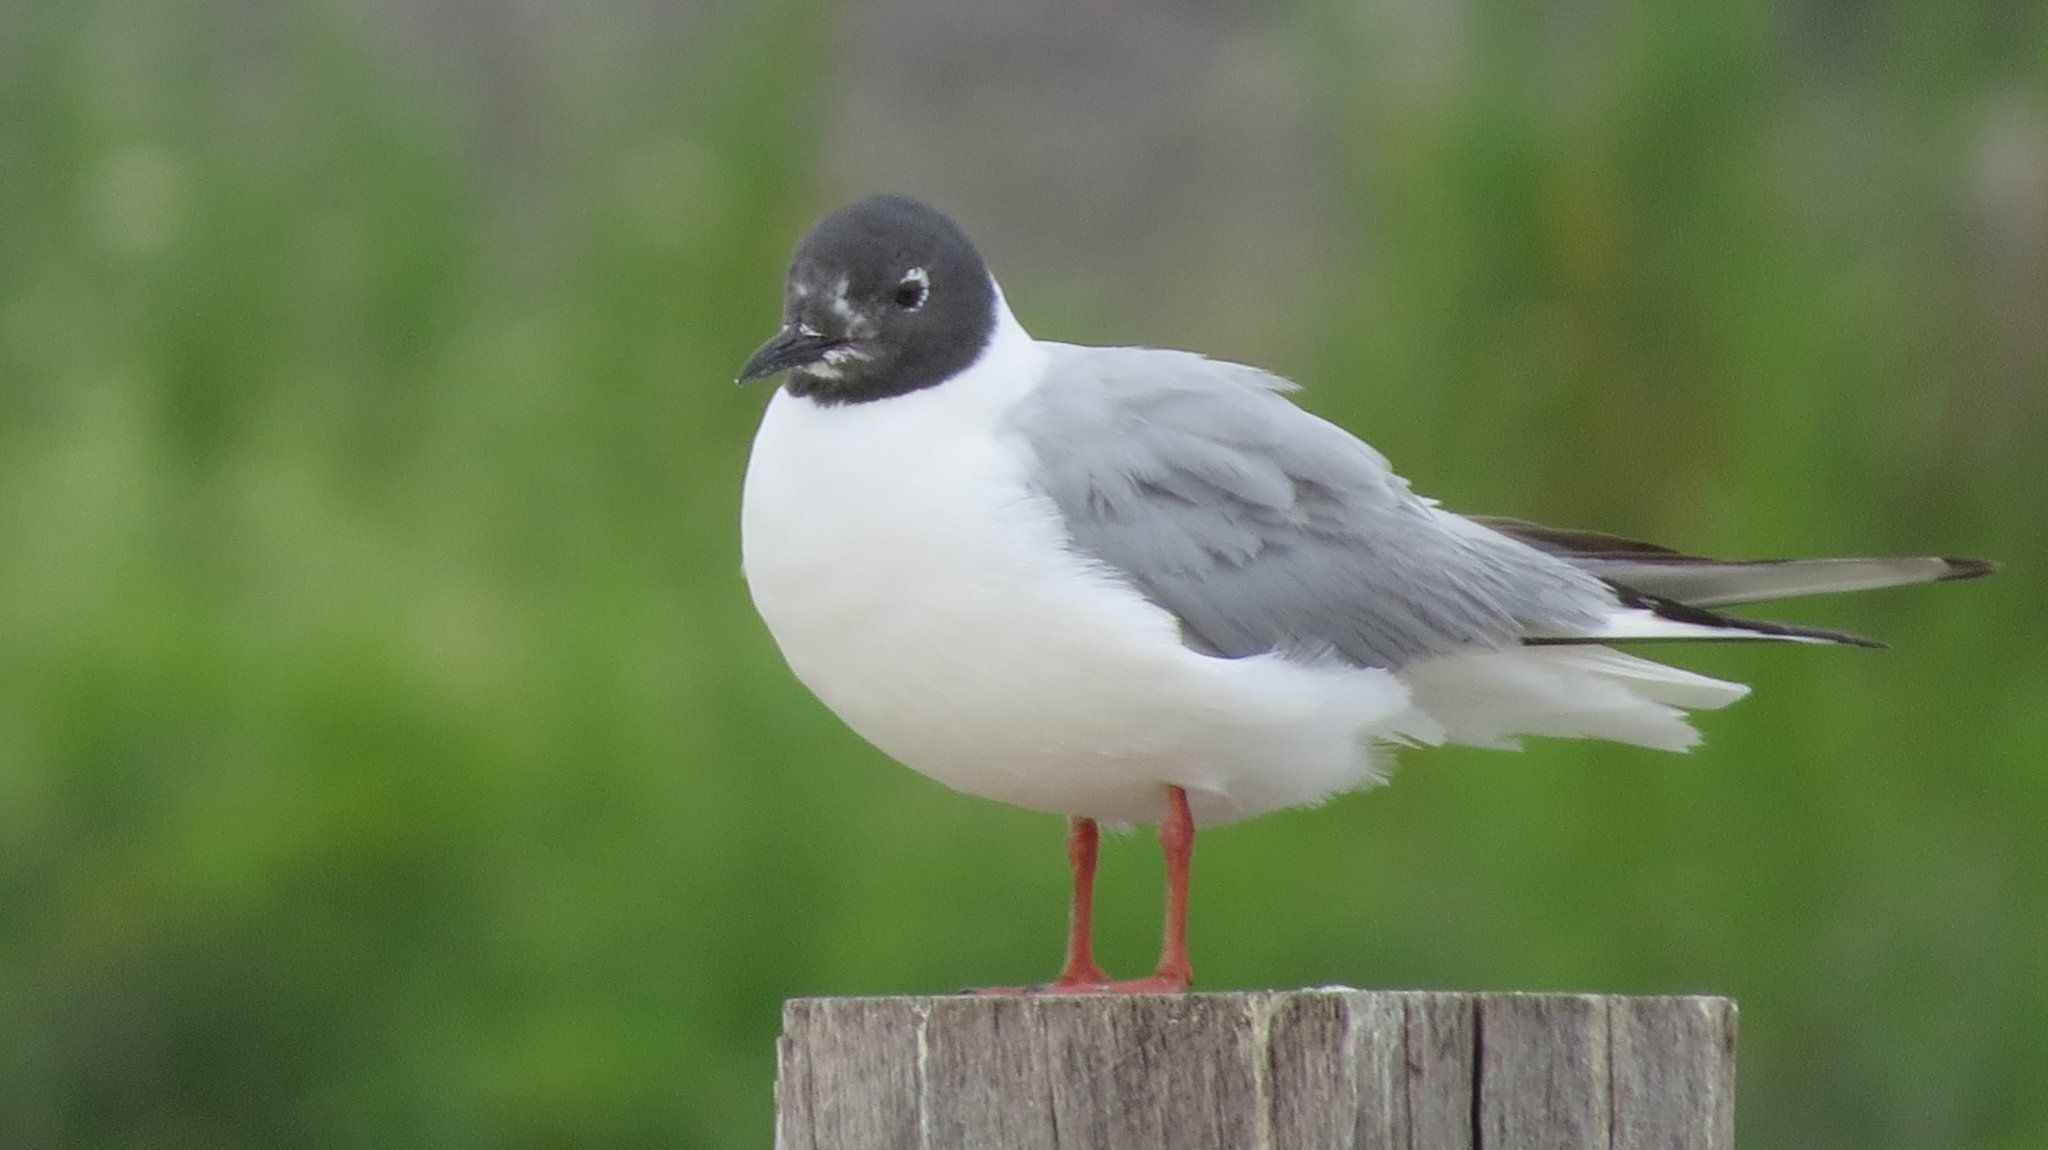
(1797, 631)
(1700, 616)
(1968, 568)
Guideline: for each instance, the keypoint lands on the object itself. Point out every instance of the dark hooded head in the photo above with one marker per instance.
(885, 296)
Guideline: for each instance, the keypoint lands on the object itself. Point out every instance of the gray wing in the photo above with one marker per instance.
(1263, 528)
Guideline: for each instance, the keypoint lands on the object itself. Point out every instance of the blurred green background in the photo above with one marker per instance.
(389, 755)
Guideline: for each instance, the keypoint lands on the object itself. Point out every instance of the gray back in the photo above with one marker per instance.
(1264, 528)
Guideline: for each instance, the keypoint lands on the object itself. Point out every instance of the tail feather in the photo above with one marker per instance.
(1491, 698)
(1576, 686)
(1657, 682)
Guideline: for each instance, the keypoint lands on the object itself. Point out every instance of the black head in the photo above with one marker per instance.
(884, 296)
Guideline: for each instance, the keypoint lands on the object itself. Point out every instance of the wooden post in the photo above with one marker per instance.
(1329, 1069)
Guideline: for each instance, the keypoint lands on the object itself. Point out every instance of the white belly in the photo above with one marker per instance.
(924, 592)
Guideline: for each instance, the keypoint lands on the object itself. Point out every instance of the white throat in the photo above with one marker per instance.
(1009, 366)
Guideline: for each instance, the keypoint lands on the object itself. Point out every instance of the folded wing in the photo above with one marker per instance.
(1263, 528)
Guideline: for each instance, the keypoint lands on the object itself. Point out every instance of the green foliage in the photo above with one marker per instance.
(388, 754)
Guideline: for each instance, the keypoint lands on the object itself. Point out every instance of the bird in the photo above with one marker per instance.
(1130, 585)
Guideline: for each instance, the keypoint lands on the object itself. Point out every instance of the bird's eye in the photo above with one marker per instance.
(911, 292)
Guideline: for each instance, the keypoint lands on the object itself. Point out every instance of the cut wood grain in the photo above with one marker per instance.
(1329, 1069)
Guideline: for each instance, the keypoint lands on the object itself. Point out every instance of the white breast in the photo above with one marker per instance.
(919, 586)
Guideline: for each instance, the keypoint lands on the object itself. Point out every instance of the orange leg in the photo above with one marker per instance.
(1079, 972)
(1177, 843)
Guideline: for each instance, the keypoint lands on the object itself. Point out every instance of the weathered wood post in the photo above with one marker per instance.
(1329, 1069)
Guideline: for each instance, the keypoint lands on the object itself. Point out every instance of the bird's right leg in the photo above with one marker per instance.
(1079, 972)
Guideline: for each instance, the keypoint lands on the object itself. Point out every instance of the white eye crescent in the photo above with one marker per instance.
(911, 292)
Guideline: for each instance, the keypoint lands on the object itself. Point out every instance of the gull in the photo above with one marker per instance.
(1132, 585)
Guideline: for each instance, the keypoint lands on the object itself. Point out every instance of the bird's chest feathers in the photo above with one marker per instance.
(879, 537)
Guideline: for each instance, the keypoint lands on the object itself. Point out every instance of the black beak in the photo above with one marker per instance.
(790, 347)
